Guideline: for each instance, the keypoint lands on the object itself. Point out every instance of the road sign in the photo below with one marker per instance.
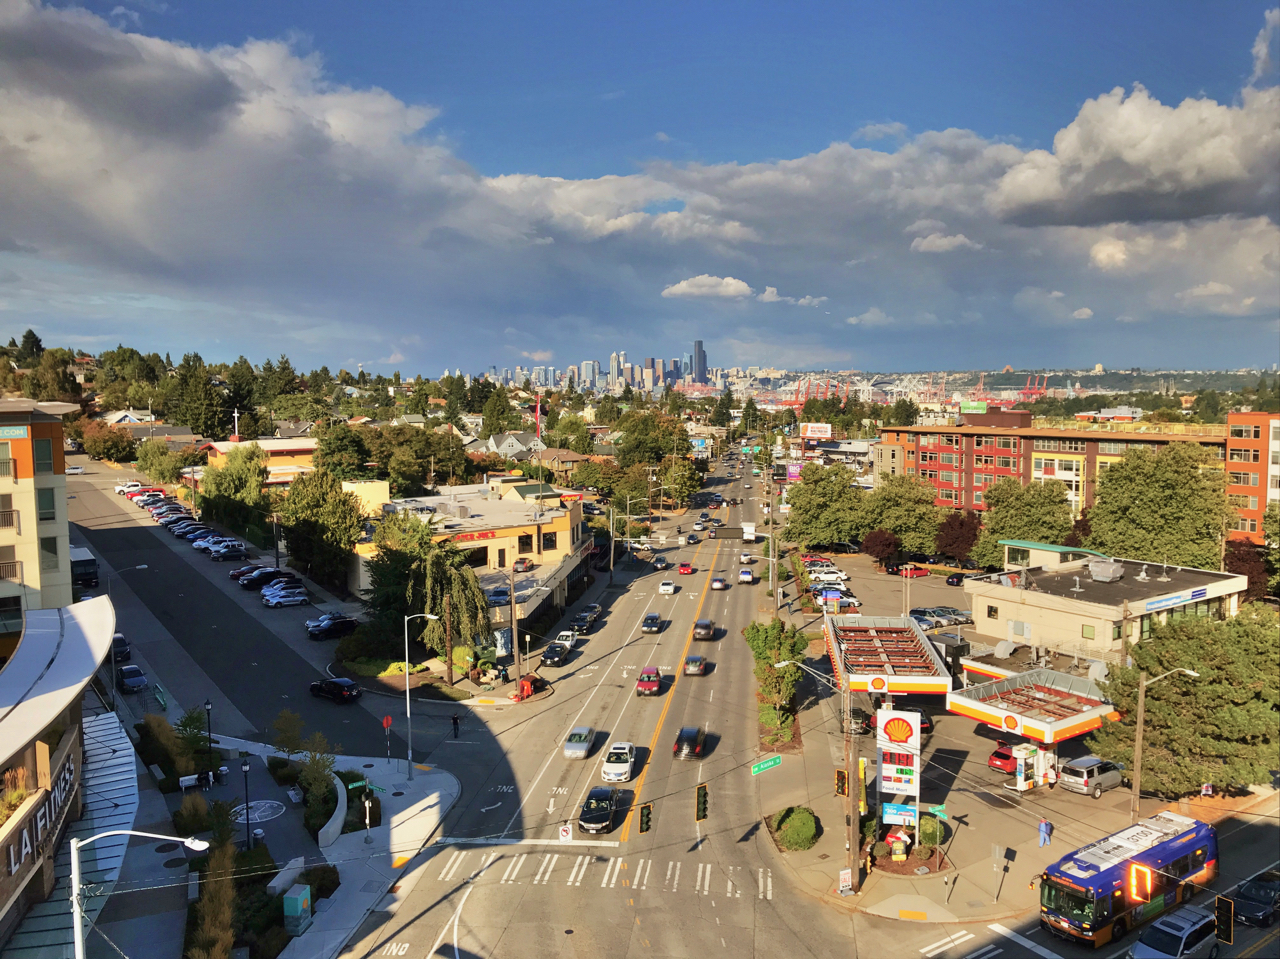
(377, 789)
(762, 765)
(386, 722)
(357, 785)
(939, 811)
(566, 832)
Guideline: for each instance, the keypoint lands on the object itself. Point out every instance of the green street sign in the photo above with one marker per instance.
(357, 785)
(939, 811)
(376, 788)
(762, 765)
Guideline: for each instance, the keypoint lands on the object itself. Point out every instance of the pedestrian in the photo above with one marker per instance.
(1046, 832)
(455, 731)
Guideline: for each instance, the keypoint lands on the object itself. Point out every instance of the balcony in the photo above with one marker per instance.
(9, 520)
(11, 571)
(7, 469)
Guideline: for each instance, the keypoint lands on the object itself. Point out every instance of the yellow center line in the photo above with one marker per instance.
(662, 717)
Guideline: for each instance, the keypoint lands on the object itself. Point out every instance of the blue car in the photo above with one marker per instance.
(200, 534)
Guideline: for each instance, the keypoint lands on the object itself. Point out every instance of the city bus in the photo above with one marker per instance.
(1101, 891)
(84, 568)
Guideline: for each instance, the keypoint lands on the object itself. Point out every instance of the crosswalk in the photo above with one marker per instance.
(472, 866)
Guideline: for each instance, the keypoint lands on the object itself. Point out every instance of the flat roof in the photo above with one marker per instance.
(1040, 704)
(1159, 587)
(1049, 547)
(486, 512)
(883, 654)
(59, 651)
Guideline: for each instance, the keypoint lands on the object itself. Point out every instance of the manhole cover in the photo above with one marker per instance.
(368, 766)
(372, 885)
(397, 793)
(167, 847)
(175, 863)
(922, 870)
(260, 810)
(824, 856)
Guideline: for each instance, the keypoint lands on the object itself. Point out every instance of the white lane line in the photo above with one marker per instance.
(452, 920)
(484, 864)
(550, 862)
(614, 881)
(711, 696)
(697, 883)
(647, 867)
(609, 866)
(760, 883)
(452, 860)
(573, 872)
(454, 867)
(507, 872)
(1024, 942)
(666, 882)
(986, 952)
(514, 869)
(769, 876)
(676, 884)
(942, 945)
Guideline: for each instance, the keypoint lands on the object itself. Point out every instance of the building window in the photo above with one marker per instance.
(1242, 479)
(43, 451)
(1073, 446)
(1046, 444)
(1004, 462)
(947, 477)
(1244, 456)
(1019, 556)
(947, 495)
(948, 459)
(46, 507)
(524, 544)
(977, 498)
(1246, 432)
(1086, 632)
(548, 541)
(1006, 443)
(993, 612)
(48, 552)
(1244, 502)
(1246, 525)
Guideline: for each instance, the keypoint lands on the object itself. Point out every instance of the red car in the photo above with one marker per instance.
(812, 558)
(649, 683)
(686, 569)
(1002, 759)
(911, 571)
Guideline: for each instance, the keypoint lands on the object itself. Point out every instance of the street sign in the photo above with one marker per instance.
(762, 765)
(566, 832)
(357, 785)
(378, 789)
(386, 722)
(939, 811)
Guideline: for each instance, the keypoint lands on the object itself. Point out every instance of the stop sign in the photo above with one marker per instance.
(386, 722)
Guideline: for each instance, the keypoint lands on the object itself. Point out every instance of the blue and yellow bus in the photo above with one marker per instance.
(1101, 891)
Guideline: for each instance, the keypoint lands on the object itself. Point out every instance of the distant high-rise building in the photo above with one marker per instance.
(628, 373)
(659, 370)
(699, 362)
(539, 376)
(615, 368)
(648, 362)
(622, 358)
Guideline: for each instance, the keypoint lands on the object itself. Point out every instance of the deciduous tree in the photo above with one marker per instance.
(322, 523)
(1038, 512)
(108, 442)
(958, 534)
(343, 453)
(880, 545)
(1245, 559)
(825, 506)
(904, 506)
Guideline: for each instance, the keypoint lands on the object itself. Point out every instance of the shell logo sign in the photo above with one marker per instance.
(1011, 722)
(898, 731)
(878, 683)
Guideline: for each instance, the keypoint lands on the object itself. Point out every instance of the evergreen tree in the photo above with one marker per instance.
(607, 411)
(1038, 512)
(242, 383)
(495, 412)
(453, 413)
(30, 351)
(286, 377)
(751, 419)
(722, 414)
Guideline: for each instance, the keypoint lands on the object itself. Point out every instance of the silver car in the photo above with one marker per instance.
(578, 743)
(1090, 775)
(1187, 933)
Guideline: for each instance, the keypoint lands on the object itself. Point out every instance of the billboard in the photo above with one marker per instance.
(793, 471)
(815, 431)
(898, 745)
(973, 407)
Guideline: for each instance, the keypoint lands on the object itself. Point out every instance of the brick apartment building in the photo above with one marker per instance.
(1253, 469)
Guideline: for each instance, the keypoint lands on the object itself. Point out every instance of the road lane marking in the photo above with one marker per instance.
(454, 864)
(1024, 942)
(621, 865)
(648, 866)
(446, 866)
(485, 863)
(942, 945)
(675, 885)
(543, 876)
(514, 868)
(454, 921)
(986, 952)
(666, 882)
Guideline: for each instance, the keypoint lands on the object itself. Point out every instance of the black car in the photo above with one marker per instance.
(130, 679)
(652, 623)
(957, 579)
(689, 743)
(340, 690)
(226, 553)
(581, 623)
(333, 628)
(893, 569)
(918, 558)
(598, 810)
(1257, 899)
(555, 655)
(243, 571)
(704, 629)
(266, 576)
(121, 651)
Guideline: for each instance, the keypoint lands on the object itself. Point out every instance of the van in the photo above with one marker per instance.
(1090, 775)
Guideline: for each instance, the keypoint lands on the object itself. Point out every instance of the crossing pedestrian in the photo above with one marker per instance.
(1046, 832)
(455, 736)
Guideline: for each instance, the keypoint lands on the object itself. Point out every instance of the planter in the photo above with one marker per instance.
(331, 830)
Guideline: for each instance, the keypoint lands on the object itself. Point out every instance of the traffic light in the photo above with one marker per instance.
(646, 817)
(1224, 912)
(700, 809)
(842, 783)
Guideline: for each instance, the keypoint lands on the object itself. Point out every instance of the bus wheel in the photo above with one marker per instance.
(1118, 930)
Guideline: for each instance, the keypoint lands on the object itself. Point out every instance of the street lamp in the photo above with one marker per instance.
(208, 725)
(244, 768)
(407, 716)
(77, 907)
(113, 639)
(1143, 683)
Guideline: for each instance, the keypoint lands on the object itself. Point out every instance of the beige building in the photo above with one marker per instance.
(372, 494)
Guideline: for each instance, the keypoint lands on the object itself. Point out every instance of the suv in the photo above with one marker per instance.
(1090, 775)
(1186, 933)
(704, 629)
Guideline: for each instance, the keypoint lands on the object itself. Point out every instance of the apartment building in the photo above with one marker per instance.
(1253, 470)
(963, 460)
(35, 561)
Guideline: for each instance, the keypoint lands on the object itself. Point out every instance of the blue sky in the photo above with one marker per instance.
(867, 186)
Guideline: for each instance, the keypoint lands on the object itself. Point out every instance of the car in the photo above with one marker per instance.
(133, 494)
(649, 682)
(278, 600)
(577, 745)
(685, 569)
(892, 569)
(917, 557)
(339, 689)
(699, 526)
(961, 616)
(619, 762)
(704, 629)
(555, 654)
(695, 666)
(74, 471)
(279, 584)
(260, 578)
(598, 810)
(704, 515)
(691, 539)
(1185, 933)
(666, 588)
(594, 610)
(121, 651)
(1257, 900)
(689, 743)
(912, 571)
(711, 535)
(956, 579)
(652, 623)
(225, 553)
(926, 623)
(660, 562)
(1002, 758)
(828, 576)
(747, 485)
(243, 571)
(581, 623)
(718, 583)
(129, 487)
(934, 620)
(210, 542)
(131, 679)
(333, 628)
(499, 597)
(746, 576)
(192, 535)
(746, 558)
(522, 565)
(1090, 775)
(569, 637)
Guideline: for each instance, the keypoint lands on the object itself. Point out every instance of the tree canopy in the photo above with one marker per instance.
(342, 451)
(904, 506)
(322, 524)
(825, 506)
(650, 438)
(1038, 512)
(232, 492)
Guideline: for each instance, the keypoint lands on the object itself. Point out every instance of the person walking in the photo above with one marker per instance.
(1046, 832)
(455, 736)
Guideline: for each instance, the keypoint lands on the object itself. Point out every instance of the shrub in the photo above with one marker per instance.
(323, 880)
(930, 832)
(922, 852)
(284, 772)
(796, 828)
(174, 757)
(214, 935)
(192, 816)
(869, 829)
(365, 643)
(268, 944)
(880, 850)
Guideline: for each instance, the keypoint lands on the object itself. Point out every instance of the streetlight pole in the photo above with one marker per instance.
(1143, 683)
(208, 725)
(248, 840)
(408, 718)
(77, 907)
(113, 639)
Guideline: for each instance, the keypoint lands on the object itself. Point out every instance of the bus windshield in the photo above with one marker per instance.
(1066, 902)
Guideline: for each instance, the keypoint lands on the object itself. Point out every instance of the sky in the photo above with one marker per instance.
(867, 186)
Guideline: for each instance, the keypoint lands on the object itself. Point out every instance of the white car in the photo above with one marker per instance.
(568, 637)
(666, 588)
(75, 471)
(295, 598)
(746, 576)
(698, 526)
(746, 558)
(129, 487)
(618, 763)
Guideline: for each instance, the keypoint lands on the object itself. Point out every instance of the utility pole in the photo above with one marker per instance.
(612, 547)
(1137, 747)
(515, 637)
(448, 644)
(853, 836)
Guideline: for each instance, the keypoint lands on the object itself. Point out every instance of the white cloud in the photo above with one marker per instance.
(1057, 295)
(938, 243)
(1083, 313)
(538, 356)
(1212, 288)
(707, 286)
(395, 357)
(1109, 254)
(873, 317)
(1263, 65)
(811, 301)
(926, 226)
(879, 131)
(662, 137)
(770, 295)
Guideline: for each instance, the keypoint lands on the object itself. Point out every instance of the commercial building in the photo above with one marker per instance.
(699, 357)
(35, 551)
(286, 458)
(962, 461)
(1253, 471)
(1080, 603)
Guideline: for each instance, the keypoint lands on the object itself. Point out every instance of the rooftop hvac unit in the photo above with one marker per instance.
(1106, 570)
(460, 511)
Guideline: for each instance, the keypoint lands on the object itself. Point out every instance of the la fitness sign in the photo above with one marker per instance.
(45, 818)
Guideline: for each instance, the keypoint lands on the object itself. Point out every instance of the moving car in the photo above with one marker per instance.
(704, 629)
(578, 743)
(717, 582)
(555, 654)
(1090, 775)
(699, 526)
(666, 588)
(129, 487)
(695, 665)
(1258, 899)
(652, 623)
(339, 690)
(1002, 759)
(650, 682)
(74, 471)
(746, 576)
(746, 558)
(598, 810)
(660, 562)
(334, 627)
(957, 579)
(522, 565)
(1186, 933)
(130, 679)
(618, 764)
(689, 743)
(686, 569)
(581, 623)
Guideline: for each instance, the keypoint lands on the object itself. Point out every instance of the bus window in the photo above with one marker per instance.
(1066, 902)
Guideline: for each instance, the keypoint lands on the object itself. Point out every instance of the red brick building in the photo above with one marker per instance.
(1253, 470)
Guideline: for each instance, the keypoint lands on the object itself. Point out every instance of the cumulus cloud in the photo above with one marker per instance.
(873, 317)
(770, 295)
(1083, 313)
(538, 356)
(938, 243)
(1212, 288)
(1263, 65)
(926, 226)
(1057, 295)
(1109, 254)
(706, 286)
(879, 131)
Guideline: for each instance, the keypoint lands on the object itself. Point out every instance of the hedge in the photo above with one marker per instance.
(796, 828)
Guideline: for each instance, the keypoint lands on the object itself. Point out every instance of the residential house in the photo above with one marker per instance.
(510, 445)
(410, 419)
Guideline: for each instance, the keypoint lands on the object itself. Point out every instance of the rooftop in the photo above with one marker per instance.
(1041, 704)
(298, 444)
(881, 654)
(1143, 586)
(475, 507)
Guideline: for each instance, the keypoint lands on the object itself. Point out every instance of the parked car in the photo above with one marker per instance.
(956, 579)
(243, 571)
(211, 542)
(649, 682)
(689, 743)
(928, 615)
(594, 610)
(911, 571)
(619, 763)
(121, 651)
(685, 569)
(333, 628)
(339, 690)
(660, 562)
(261, 577)
(961, 616)
(501, 596)
(129, 487)
(1090, 775)
(581, 623)
(131, 679)
(598, 810)
(568, 637)
(828, 576)
(704, 629)
(291, 598)
(1002, 758)
(577, 744)
(695, 665)
(555, 654)
(1185, 933)
(1257, 900)
(522, 565)
(718, 583)
(652, 623)
(229, 552)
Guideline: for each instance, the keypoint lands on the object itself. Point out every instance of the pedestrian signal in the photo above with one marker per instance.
(1224, 914)
(646, 817)
(700, 808)
(842, 783)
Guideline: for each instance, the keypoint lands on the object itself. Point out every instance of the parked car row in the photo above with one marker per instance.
(935, 617)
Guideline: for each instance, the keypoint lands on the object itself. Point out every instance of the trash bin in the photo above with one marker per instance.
(221, 775)
(259, 837)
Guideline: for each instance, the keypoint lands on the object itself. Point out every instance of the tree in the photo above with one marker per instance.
(108, 442)
(628, 394)
(1245, 559)
(904, 413)
(607, 411)
(453, 413)
(602, 477)
(322, 524)
(904, 506)
(958, 534)
(1271, 554)
(1217, 728)
(1162, 507)
(343, 453)
(682, 481)
(651, 438)
(50, 379)
(232, 492)
(1038, 512)
(773, 643)
(824, 506)
(751, 414)
(722, 415)
(880, 545)
(30, 351)
(495, 412)
(159, 465)
(287, 729)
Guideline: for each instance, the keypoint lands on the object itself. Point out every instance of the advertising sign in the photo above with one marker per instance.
(815, 431)
(903, 814)
(793, 471)
(898, 746)
(967, 406)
